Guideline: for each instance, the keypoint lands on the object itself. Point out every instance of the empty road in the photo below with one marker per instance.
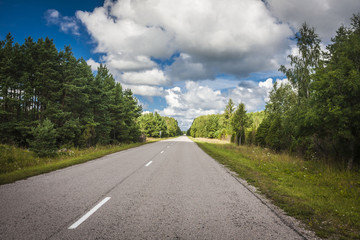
(165, 190)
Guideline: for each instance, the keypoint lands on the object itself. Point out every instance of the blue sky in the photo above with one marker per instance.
(27, 18)
(181, 58)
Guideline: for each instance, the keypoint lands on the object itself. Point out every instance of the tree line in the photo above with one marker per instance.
(49, 99)
(316, 115)
(235, 123)
(154, 125)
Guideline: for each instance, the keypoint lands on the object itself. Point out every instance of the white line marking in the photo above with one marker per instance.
(148, 163)
(162, 151)
(88, 214)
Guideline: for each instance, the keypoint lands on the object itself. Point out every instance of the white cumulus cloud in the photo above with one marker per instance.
(196, 99)
(93, 64)
(150, 46)
(251, 94)
(149, 77)
(238, 37)
(66, 24)
(145, 90)
(325, 15)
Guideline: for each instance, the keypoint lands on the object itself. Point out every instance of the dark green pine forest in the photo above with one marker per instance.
(317, 115)
(51, 100)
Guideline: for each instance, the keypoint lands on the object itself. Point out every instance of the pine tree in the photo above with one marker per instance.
(38, 82)
(239, 122)
(44, 143)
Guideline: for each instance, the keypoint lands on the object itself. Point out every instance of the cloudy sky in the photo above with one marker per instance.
(182, 58)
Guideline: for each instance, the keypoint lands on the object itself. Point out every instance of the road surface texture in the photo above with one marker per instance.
(165, 190)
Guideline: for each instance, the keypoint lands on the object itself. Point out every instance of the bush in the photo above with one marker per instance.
(44, 143)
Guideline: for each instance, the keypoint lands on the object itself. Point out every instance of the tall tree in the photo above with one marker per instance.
(160, 126)
(38, 82)
(132, 112)
(228, 112)
(336, 104)
(239, 122)
(304, 63)
(172, 127)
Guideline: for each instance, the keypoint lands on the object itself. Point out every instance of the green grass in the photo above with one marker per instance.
(325, 199)
(17, 163)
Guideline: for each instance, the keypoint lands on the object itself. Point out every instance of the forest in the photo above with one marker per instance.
(316, 115)
(154, 125)
(51, 100)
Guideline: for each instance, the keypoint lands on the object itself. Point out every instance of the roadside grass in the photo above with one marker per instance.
(17, 163)
(324, 198)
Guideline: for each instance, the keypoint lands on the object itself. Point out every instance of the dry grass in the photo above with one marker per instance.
(213, 140)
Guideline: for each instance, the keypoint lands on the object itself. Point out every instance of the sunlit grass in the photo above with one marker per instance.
(325, 198)
(17, 163)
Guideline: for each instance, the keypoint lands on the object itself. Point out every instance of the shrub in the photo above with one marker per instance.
(44, 143)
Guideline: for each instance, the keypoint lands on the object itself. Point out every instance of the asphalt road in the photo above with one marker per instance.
(165, 190)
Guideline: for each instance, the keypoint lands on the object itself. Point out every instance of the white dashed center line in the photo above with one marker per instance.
(148, 163)
(162, 151)
(88, 214)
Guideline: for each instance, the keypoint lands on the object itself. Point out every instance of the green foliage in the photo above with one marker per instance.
(336, 105)
(12, 158)
(17, 163)
(277, 130)
(239, 122)
(256, 118)
(147, 124)
(69, 132)
(152, 124)
(39, 82)
(172, 127)
(304, 64)
(160, 126)
(44, 143)
(274, 134)
(318, 115)
(228, 113)
(206, 126)
(262, 131)
(222, 125)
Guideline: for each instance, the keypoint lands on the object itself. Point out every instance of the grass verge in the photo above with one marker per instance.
(17, 164)
(325, 199)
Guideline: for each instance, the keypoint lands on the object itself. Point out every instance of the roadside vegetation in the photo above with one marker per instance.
(56, 112)
(155, 126)
(314, 114)
(18, 163)
(303, 151)
(325, 198)
(49, 100)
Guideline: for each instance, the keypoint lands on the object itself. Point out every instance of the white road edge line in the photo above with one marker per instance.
(88, 214)
(148, 163)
